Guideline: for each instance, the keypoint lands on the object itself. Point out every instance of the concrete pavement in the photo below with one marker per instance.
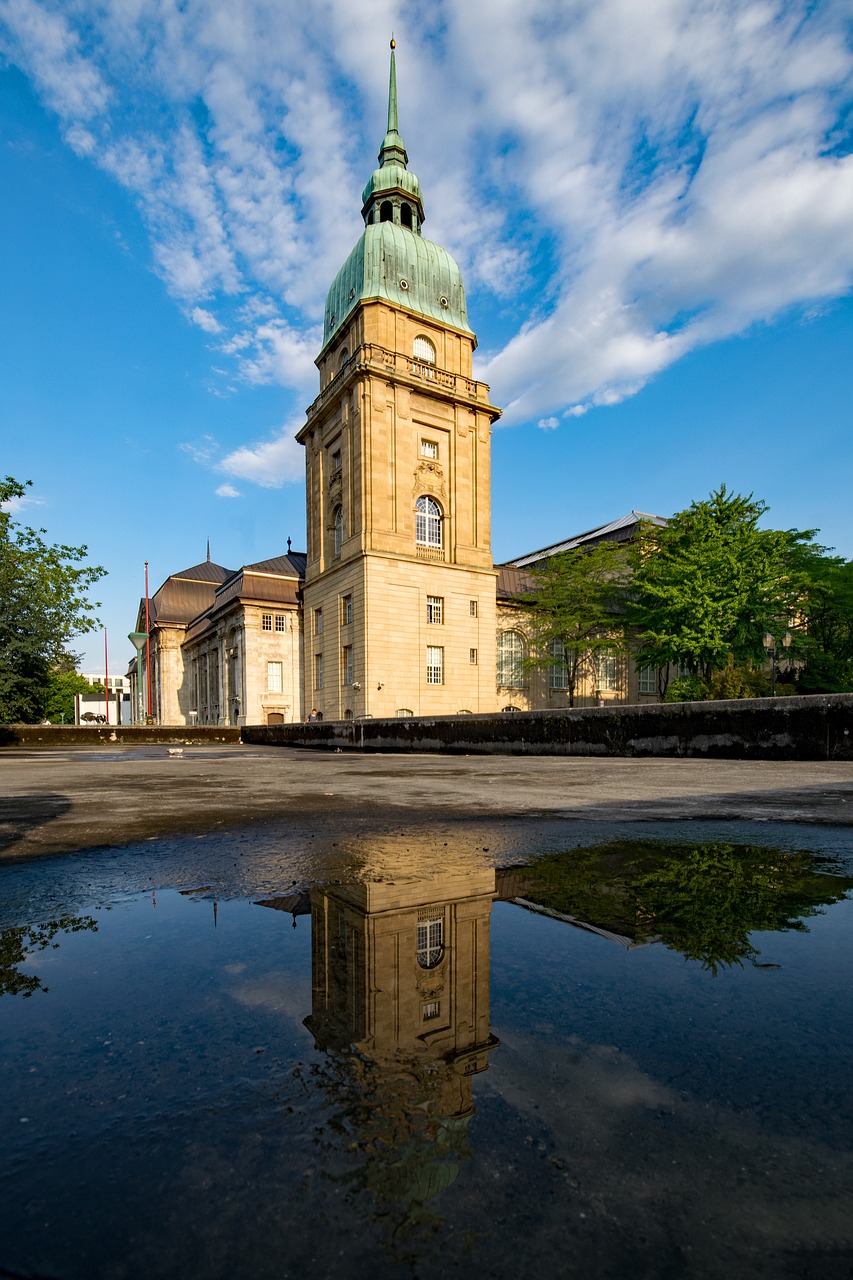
(55, 801)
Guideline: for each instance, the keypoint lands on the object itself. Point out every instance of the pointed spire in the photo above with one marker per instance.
(208, 551)
(393, 149)
(392, 91)
(392, 193)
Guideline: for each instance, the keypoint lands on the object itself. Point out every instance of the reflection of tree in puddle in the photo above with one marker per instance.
(400, 1005)
(19, 943)
(701, 900)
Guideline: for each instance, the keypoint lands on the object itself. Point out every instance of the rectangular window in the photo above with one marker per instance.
(346, 663)
(431, 1009)
(318, 622)
(647, 680)
(318, 671)
(511, 655)
(346, 610)
(336, 462)
(280, 622)
(608, 672)
(266, 622)
(435, 609)
(472, 657)
(430, 939)
(472, 608)
(429, 449)
(274, 677)
(435, 664)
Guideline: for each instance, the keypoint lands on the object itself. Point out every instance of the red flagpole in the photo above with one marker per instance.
(106, 677)
(147, 644)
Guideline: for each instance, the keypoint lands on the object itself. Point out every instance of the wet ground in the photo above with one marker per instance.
(274, 1013)
(55, 801)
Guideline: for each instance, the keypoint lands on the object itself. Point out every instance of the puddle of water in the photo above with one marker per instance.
(633, 1058)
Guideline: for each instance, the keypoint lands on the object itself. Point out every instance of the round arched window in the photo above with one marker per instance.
(430, 941)
(423, 349)
(427, 522)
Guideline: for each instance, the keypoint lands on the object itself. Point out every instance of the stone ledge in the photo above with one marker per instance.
(818, 727)
(59, 736)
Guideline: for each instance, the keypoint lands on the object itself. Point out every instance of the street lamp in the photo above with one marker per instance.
(138, 639)
(771, 651)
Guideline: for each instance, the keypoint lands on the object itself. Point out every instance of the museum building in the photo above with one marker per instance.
(396, 609)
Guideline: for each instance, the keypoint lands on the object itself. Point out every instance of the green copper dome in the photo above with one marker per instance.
(392, 261)
(398, 265)
(392, 177)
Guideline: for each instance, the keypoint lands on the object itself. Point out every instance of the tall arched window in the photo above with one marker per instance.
(339, 529)
(422, 349)
(511, 660)
(386, 211)
(406, 215)
(427, 522)
(558, 671)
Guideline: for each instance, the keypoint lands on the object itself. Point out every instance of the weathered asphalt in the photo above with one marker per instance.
(69, 800)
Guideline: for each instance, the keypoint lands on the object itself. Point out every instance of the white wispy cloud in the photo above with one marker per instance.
(269, 463)
(228, 491)
(15, 505)
(623, 182)
(205, 450)
(205, 320)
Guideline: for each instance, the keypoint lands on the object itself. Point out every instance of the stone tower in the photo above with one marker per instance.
(399, 592)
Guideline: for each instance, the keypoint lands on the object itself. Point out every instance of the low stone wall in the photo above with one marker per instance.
(51, 737)
(819, 727)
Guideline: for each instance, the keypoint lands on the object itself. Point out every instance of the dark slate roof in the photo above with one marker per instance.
(185, 594)
(621, 530)
(512, 583)
(293, 564)
(207, 571)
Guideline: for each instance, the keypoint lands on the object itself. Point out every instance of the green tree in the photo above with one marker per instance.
(63, 682)
(576, 609)
(711, 584)
(43, 605)
(705, 901)
(824, 636)
(18, 944)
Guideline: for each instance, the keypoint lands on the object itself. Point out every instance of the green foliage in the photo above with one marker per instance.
(702, 900)
(742, 681)
(61, 688)
(686, 689)
(730, 681)
(826, 610)
(18, 943)
(709, 585)
(578, 599)
(43, 605)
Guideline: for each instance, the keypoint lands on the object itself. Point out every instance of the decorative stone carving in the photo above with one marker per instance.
(429, 988)
(429, 478)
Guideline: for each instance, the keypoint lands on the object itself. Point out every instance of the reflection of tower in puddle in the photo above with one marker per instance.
(400, 978)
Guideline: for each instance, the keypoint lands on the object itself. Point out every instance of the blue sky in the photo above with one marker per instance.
(652, 207)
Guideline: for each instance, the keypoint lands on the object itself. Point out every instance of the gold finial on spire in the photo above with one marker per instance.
(393, 41)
